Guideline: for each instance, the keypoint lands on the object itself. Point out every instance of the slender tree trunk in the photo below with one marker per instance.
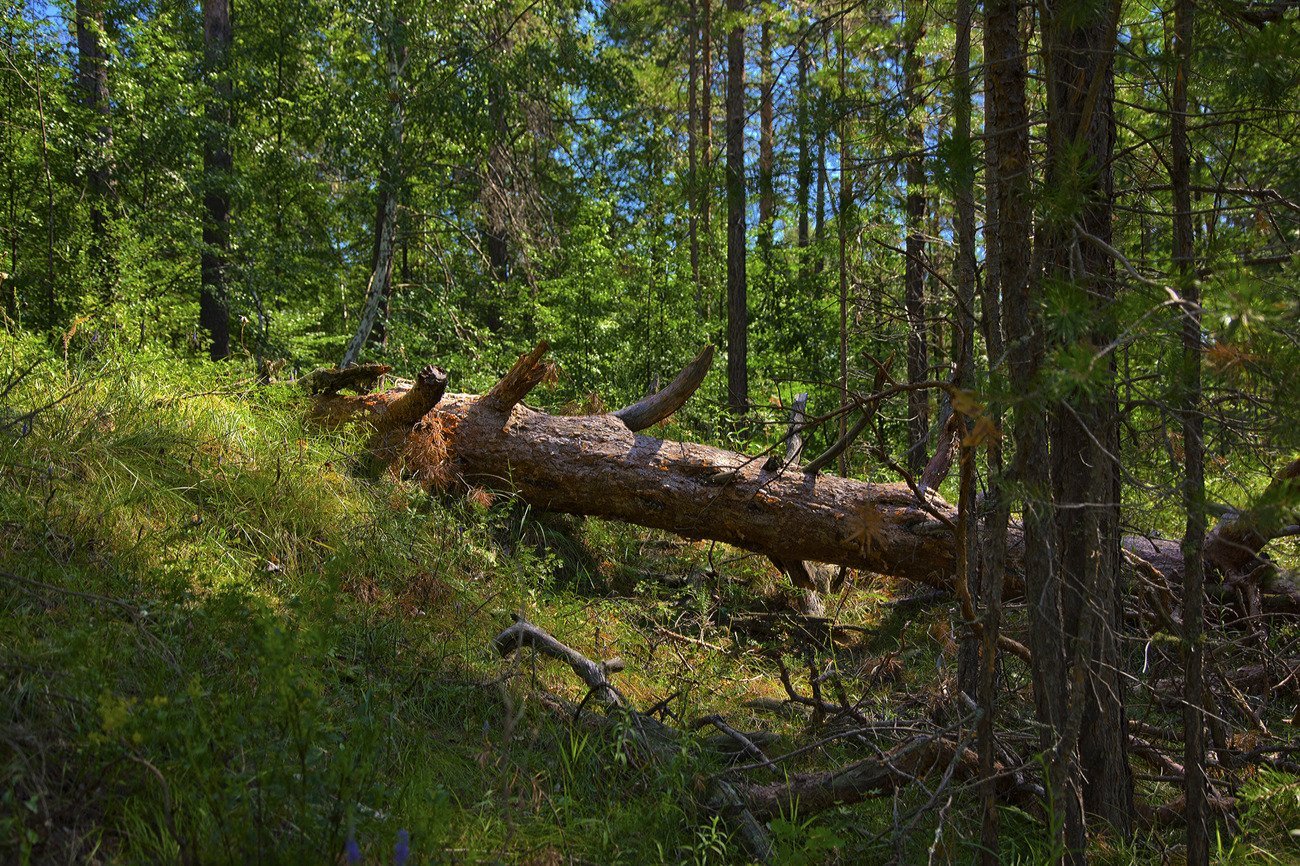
(803, 174)
(51, 302)
(1085, 694)
(1006, 151)
(11, 185)
(822, 133)
(846, 209)
(820, 226)
(379, 334)
(92, 77)
(217, 166)
(705, 191)
(692, 147)
(496, 232)
(918, 364)
(1010, 321)
(766, 151)
(963, 337)
(389, 186)
(737, 305)
(1196, 813)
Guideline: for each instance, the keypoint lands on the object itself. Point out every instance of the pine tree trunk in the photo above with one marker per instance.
(602, 465)
(842, 224)
(918, 365)
(766, 151)
(692, 148)
(705, 191)
(1086, 692)
(1007, 322)
(1197, 812)
(963, 339)
(495, 189)
(803, 174)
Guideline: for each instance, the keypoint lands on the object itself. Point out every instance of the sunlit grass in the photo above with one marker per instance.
(225, 641)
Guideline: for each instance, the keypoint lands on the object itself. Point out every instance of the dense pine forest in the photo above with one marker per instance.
(650, 431)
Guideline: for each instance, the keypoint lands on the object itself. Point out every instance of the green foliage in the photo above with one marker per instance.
(802, 843)
(228, 642)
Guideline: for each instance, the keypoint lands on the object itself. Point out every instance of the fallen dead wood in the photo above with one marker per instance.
(362, 378)
(747, 806)
(654, 736)
(811, 793)
(596, 676)
(600, 465)
(1279, 676)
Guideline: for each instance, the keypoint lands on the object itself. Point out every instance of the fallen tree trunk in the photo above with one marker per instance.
(603, 466)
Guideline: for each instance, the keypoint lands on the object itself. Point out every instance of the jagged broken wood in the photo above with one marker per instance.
(603, 466)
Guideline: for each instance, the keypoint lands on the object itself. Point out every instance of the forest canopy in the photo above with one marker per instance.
(959, 461)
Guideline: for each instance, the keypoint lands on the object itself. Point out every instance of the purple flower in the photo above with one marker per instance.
(351, 850)
(402, 851)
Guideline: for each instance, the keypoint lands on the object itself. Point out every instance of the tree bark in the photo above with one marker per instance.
(1085, 692)
(1196, 793)
(214, 316)
(842, 227)
(495, 187)
(766, 151)
(803, 172)
(692, 148)
(1007, 133)
(705, 191)
(918, 365)
(963, 338)
(737, 304)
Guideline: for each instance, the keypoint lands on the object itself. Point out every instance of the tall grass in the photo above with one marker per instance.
(224, 644)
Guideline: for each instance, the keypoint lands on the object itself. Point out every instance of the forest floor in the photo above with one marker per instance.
(225, 641)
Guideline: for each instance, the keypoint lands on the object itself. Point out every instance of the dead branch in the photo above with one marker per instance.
(657, 407)
(654, 736)
(523, 633)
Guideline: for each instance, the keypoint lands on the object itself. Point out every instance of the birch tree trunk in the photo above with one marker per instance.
(389, 186)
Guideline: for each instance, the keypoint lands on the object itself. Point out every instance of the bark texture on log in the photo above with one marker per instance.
(594, 465)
